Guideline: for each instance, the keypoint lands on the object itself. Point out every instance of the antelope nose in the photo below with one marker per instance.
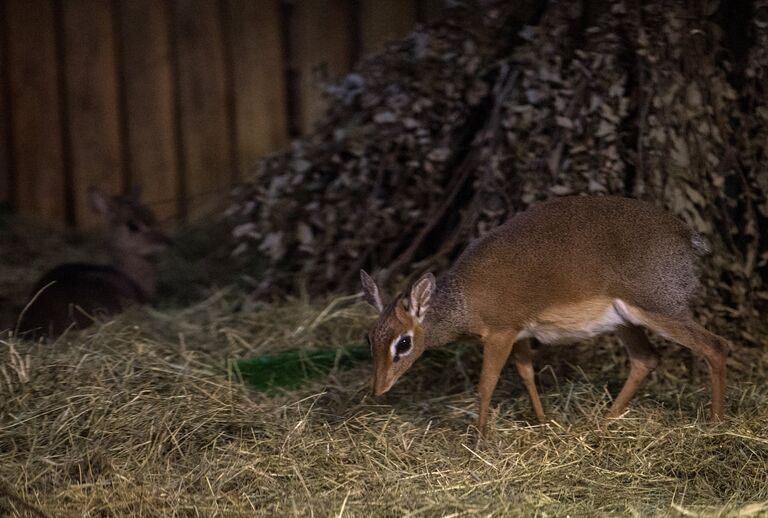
(382, 387)
(376, 387)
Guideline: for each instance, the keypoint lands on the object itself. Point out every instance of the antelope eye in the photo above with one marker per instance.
(404, 345)
(133, 227)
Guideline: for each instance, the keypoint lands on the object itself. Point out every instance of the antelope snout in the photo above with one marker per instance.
(381, 386)
(157, 242)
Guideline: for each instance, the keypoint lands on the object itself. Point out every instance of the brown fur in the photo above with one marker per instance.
(565, 269)
(73, 295)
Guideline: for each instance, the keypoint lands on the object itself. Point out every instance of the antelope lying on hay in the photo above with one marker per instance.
(563, 270)
(73, 295)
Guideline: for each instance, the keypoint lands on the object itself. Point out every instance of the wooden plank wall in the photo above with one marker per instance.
(383, 21)
(180, 97)
(90, 70)
(5, 158)
(37, 147)
(322, 45)
(202, 100)
(259, 79)
(151, 134)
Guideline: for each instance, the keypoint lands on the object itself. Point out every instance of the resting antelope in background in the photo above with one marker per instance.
(73, 295)
(563, 270)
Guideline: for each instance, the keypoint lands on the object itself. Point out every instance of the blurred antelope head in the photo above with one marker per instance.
(132, 229)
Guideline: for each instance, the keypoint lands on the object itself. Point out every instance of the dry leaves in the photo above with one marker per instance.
(638, 100)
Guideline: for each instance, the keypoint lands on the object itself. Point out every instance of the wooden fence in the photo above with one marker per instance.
(178, 96)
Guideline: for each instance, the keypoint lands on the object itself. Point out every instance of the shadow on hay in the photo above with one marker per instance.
(577, 383)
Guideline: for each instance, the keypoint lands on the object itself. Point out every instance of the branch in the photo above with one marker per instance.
(489, 133)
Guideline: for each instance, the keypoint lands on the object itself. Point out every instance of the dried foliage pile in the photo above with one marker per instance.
(141, 417)
(473, 118)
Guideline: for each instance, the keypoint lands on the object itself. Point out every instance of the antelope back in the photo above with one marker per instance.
(571, 251)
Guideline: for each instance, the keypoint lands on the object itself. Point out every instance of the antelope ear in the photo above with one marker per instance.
(100, 202)
(421, 294)
(371, 291)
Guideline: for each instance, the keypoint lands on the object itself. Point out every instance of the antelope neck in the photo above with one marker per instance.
(445, 320)
(141, 270)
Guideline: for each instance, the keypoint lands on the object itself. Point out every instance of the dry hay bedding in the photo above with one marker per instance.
(142, 417)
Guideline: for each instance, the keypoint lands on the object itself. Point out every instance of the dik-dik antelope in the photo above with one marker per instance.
(73, 295)
(563, 270)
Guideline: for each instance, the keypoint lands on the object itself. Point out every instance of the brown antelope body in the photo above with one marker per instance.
(564, 270)
(73, 295)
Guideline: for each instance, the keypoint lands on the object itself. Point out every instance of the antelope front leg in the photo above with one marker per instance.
(496, 349)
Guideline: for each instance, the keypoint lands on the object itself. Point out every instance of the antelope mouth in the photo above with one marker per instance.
(379, 390)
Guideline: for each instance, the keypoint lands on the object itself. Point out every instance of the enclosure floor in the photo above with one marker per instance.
(141, 416)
